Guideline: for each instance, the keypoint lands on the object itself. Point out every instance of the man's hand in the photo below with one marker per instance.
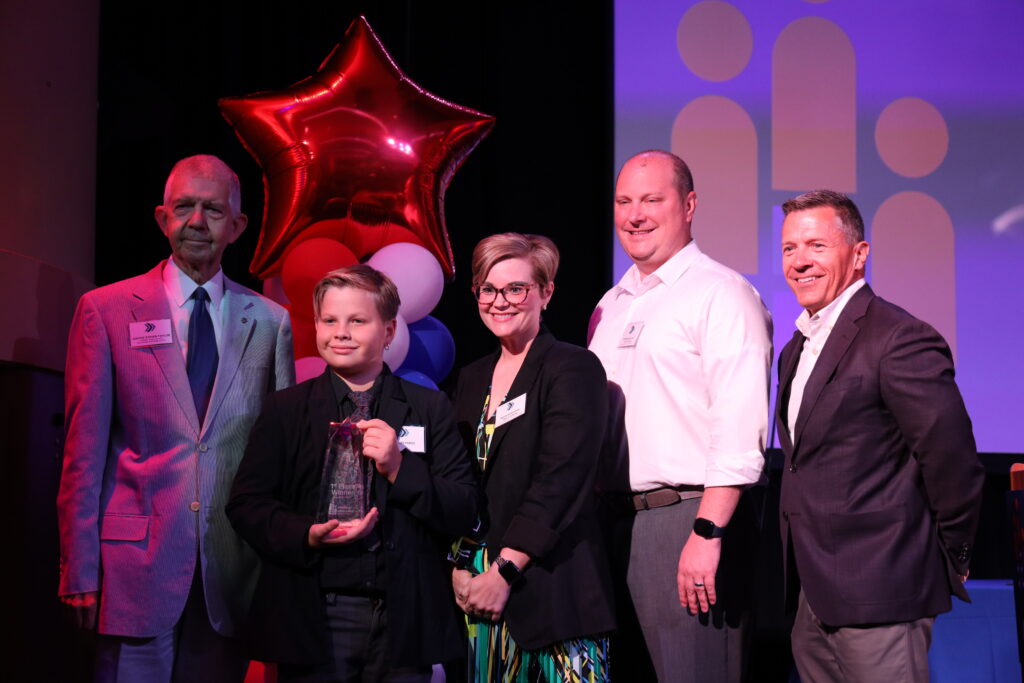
(487, 595)
(695, 578)
(333, 532)
(380, 444)
(82, 609)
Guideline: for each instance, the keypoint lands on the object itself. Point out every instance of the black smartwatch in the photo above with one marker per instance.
(508, 570)
(705, 528)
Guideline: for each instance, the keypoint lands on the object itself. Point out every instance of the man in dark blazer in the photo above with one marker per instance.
(882, 484)
(365, 599)
(159, 405)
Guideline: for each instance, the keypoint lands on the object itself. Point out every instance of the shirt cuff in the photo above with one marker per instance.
(734, 469)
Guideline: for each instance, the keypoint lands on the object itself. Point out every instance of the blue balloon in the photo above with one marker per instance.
(431, 349)
(416, 377)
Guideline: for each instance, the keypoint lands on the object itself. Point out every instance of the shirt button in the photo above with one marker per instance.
(203, 448)
(792, 468)
(815, 351)
(194, 506)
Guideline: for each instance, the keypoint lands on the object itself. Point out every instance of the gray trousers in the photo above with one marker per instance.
(884, 652)
(702, 648)
(191, 651)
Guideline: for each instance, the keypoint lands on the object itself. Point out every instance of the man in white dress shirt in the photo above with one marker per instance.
(686, 343)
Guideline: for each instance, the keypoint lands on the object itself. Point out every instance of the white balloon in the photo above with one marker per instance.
(396, 352)
(309, 367)
(416, 273)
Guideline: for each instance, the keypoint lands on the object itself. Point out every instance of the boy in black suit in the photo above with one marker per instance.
(368, 597)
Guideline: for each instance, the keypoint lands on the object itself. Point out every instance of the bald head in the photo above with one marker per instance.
(683, 179)
(208, 167)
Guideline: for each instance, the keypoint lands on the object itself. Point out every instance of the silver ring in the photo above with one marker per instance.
(698, 585)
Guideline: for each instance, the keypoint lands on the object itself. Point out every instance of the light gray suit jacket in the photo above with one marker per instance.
(144, 485)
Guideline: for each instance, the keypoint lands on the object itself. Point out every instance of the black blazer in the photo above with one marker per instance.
(273, 503)
(881, 489)
(539, 489)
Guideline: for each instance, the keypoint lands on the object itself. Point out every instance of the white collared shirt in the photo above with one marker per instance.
(694, 371)
(816, 329)
(179, 288)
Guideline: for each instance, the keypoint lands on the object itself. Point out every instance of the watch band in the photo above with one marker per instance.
(508, 570)
(705, 528)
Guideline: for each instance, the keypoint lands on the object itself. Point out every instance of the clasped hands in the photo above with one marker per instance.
(482, 596)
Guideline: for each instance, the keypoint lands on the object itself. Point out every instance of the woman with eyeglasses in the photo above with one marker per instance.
(534, 582)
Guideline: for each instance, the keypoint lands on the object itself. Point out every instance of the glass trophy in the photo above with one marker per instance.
(345, 483)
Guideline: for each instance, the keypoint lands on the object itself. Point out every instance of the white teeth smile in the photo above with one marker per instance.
(805, 280)
(641, 232)
(501, 316)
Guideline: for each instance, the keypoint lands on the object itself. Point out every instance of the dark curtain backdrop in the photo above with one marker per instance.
(545, 72)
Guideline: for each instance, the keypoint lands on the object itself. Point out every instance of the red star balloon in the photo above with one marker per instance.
(359, 141)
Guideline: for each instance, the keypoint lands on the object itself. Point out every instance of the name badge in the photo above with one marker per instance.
(150, 333)
(630, 335)
(510, 410)
(413, 438)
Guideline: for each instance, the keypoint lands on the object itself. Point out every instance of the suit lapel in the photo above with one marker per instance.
(475, 389)
(322, 411)
(152, 305)
(238, 326)
(788, 361)
(473, 386)
(521, 385)
(839, 340)
(392, 406)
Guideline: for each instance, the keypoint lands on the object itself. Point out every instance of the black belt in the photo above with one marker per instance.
(664, 496)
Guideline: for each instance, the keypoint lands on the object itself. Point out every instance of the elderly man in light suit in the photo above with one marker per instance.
(166, 373)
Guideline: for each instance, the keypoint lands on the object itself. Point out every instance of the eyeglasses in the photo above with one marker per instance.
(514, 292)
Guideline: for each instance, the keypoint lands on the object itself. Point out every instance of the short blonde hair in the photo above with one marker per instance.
(540, 251)
(366, 278)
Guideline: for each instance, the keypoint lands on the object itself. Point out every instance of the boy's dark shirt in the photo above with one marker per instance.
(355, 569)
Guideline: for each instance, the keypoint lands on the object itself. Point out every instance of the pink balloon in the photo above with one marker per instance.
(416, 273)
(309, 367)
